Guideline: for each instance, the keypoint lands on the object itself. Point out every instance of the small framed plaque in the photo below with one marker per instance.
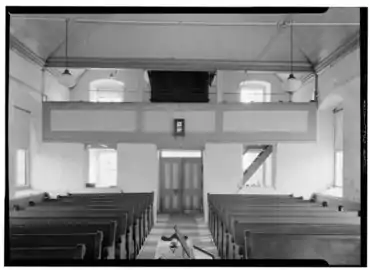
(179, 127)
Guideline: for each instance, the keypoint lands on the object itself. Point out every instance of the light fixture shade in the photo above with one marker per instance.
(67, 79)
(292, 84)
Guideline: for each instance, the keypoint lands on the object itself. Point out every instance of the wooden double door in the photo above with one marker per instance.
(181, 185)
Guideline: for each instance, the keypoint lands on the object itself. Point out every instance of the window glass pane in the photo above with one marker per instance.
(339, 168)
(257, 180)
(106, 96)
(174, 153)
(248, 158)
(103, 167)
(21, 168)
(251, 95)
(338, 130)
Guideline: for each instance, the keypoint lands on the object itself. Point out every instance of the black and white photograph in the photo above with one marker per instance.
(185, 136)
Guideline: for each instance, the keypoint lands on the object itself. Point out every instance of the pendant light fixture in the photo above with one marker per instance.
(66, 78)
(292, 84)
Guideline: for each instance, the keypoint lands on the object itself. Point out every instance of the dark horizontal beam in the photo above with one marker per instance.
(177, 64)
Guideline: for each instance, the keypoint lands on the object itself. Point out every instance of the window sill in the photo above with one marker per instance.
(22, 188)
(336, 192)
(26, 192)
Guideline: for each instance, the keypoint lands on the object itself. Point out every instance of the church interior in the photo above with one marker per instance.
(184, 136)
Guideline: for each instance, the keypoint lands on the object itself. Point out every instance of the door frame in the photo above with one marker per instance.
(181, 177)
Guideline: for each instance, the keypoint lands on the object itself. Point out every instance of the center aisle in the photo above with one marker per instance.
(191, 225)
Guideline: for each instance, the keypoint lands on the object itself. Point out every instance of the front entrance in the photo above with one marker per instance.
(180, 184)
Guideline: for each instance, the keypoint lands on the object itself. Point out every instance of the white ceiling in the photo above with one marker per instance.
(92, 42)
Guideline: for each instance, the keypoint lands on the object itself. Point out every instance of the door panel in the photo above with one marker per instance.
(170, 173)
(192, 176)
(180, 184)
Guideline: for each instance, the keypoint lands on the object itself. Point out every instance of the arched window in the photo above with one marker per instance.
(255, 91)
(107, 90)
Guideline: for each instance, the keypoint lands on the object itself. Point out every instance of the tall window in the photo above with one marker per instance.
(22, 179)
(338, 146)
(255, 91)
(338, 169)
(102, 167)
(107, 90)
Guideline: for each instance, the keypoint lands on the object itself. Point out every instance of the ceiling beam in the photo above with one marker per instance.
(16, 45)
(25, 52)
(177, 64)
(352, 44)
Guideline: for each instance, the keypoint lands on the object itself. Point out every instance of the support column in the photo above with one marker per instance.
(140, 90)
(219, 88)
(223, 170)
(138, 169)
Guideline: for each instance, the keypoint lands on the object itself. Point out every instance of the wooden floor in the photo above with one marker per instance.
(192, 225)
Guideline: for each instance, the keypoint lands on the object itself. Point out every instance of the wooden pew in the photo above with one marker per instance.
(220, 215)
(92, 241)
(233, 219)
(234, 247)
(235, 236)
(225, 214)
(133, 234)
(227, 211)
(146, 198)
(243, 203)
(68, 226)
(138, 204)
(335, 249)
(48, 253)
(122, 237)
(335, 203)
(228, 229)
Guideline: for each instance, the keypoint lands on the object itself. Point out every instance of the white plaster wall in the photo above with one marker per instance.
(59, 167)
(25, 85)
(269, 121)
(24, 70)
(54, 90)
(352, 153)
(138, 169)
(93, 120)
(340, 73)
(222, 170)
(305, 168)
(304, 94)
(195, 121)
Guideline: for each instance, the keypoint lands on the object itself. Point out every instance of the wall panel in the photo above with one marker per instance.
(153, 123)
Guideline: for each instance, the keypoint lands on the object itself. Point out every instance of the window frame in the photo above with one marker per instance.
(264, 87)
(336, 152)
(101, 148)
(335, 184)
(263, 168)
(98, 91)
(110, 85)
